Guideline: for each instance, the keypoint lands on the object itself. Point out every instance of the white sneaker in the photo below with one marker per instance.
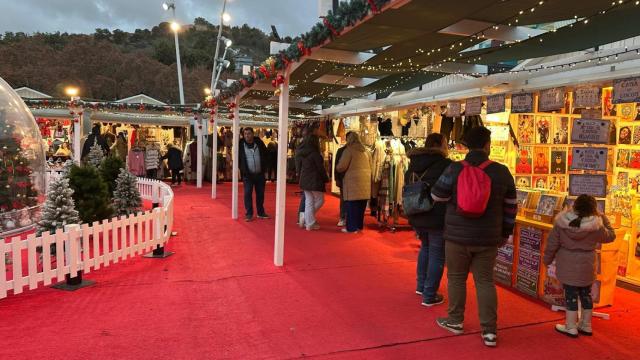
(313, 227)
(301, 220)
(341, 223)
(490, 339)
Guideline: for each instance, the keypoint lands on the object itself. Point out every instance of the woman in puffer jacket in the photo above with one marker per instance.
(572, 244)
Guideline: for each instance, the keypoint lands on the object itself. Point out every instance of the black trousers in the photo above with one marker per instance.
(176, 176)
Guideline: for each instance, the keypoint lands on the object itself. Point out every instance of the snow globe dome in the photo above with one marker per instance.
(22, 164)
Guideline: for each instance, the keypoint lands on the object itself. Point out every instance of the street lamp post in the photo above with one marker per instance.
(175, 27)
(223, 17)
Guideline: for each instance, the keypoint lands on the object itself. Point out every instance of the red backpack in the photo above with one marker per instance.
(474, 189)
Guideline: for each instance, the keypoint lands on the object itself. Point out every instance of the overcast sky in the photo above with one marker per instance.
(291, 17)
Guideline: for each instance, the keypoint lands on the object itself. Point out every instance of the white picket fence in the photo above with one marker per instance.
(88, 247)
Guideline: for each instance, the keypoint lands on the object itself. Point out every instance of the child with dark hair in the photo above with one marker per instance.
(572, 243)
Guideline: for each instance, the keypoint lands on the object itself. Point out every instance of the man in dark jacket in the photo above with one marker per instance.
(472, 243)
(175, 164)
(427, 164)
(252, 164)
(94, 137)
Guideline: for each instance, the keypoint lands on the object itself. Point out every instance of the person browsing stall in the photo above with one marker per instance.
(252, 166)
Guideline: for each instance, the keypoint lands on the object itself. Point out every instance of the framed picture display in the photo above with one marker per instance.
(588, 158)
(588, 131)
(594, 185)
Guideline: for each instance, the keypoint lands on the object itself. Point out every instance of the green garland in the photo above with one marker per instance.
(347, 14)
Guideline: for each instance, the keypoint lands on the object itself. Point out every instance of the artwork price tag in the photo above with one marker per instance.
(473, 106)
(552, 99)
(522, 103)
(594, 185)
(454, 109)
(495, 104)
(590, 131)
(586, 96)
(626, 91)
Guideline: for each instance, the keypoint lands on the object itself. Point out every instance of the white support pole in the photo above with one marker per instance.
(77, 136)
(214, 154)
(199, 139)
(235, 160)
(281, 187)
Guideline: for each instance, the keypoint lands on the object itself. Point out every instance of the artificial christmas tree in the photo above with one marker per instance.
(109, 171)
(16, 187)
(95, 155)
(90, 193)
(126, 197)
(59, 209)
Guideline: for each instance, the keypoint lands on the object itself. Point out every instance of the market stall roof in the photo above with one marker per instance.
(29, 93)
(141, 99)
(415, 42)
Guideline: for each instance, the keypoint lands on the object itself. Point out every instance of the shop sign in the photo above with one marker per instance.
(626, 91)
(586, 96)
(551, 99)
(454, 109)
(594, 185)
(473, 106)
(522, 103)
(499, 132)
(590, 131)
(495, 104)
(528, 275)
(504, 265)
(585, 158)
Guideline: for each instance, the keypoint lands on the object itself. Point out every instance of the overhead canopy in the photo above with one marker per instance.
(416, 42)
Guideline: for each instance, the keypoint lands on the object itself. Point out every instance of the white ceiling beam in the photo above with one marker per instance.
(323, 54)
(342, 80)
(468, 27)
(454, 68)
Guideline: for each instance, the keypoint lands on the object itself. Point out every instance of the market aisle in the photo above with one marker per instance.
(339, 296)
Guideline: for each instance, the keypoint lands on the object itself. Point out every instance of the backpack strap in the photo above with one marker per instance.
(465, 163)
(485, 164)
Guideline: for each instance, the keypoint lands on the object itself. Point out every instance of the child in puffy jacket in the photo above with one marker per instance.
(572, 243)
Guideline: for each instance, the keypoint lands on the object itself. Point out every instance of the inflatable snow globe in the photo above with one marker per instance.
(22, 164)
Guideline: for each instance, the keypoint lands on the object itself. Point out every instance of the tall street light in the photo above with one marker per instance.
(175, 27)
(224, 17)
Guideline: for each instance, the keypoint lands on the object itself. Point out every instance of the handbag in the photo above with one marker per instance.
(416, 197)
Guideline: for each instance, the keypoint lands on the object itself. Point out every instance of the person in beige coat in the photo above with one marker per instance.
(572, 244)
(356, 184)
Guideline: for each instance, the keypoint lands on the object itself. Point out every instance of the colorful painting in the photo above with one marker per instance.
(525, 129)
(558, 183)
(543, 129)
(523, 181)
(540, 182)
(622, 179)
(623, 158)
(609, 109)
(636, 135)
(561, 131)
(547, 205)
(541, 160)
(624, 136)
(558, 161)
(634, 159)
(523, 162)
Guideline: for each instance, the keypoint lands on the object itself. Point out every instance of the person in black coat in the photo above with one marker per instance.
(253, 165)
(94, 137)
(174, 162)
(427, 164)
(313, 177)
(338, 176)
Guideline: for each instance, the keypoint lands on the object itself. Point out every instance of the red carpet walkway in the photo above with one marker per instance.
(339, 297)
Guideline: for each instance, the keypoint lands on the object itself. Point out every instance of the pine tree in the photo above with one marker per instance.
(126, 197)
(59, 209)
(66, 168)
(16, 188)
(90, 193)
(95, 155)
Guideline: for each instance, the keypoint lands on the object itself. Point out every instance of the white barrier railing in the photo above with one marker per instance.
(87, 246)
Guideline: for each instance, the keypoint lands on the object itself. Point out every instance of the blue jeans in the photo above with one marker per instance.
(430, 262)
(252, 181)
(343, 209)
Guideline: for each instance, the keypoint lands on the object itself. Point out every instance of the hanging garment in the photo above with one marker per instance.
(136, 162)
(446, 126)
(152, 158)
(341, 133)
